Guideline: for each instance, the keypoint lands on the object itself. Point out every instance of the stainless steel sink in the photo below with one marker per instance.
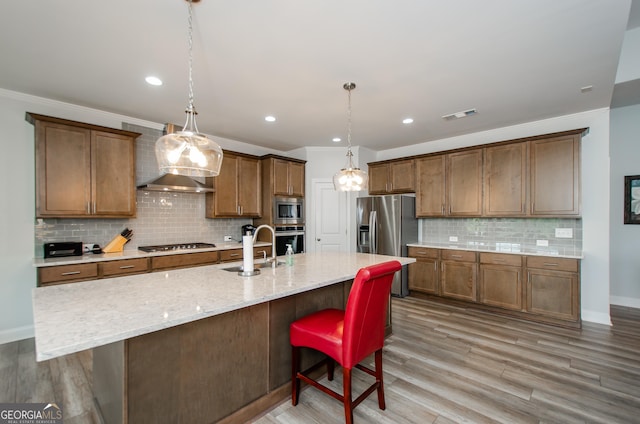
(239, 268)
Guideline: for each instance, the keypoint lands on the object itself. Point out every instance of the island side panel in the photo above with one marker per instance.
(199, 372)
(109, 381)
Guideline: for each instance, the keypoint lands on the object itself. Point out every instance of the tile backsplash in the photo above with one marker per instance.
(162, 218)
(512, 234)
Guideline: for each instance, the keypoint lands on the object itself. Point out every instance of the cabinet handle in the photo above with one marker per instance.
(550, 264)
(234, 254)
(498, 260)
(457, 256)
(70, 273)
(94, 208)
(435, 265)
(127, 266)
(442, 209)
(89, 207)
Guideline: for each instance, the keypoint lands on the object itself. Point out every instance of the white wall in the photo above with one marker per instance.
(625, 239)
(595, 192)
(629, 64)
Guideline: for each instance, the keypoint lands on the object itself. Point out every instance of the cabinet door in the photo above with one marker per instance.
(459, 280)
(224, 202)
(378, 178)
(464, 183)
(113, 170)
(63, 170)
(505, 180)
(553, 293)
(423, 276)
(249, 187)
(402, 177)
(555, 176)
(280, 177)
(430, 186)
(501, 286)
(296, 179)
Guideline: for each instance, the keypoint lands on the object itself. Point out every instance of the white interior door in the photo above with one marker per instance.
(330, 212)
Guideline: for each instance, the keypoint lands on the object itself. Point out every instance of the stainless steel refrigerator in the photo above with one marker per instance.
(385, 225)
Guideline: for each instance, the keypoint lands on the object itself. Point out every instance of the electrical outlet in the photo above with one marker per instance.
(453, 238)
(543, 243)
(228, 238)
(564, 233)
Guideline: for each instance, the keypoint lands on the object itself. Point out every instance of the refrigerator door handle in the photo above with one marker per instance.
(373, 233)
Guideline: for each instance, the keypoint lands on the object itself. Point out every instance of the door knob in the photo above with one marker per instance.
(317, 239)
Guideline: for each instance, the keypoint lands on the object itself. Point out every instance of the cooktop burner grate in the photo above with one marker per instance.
(179, 246)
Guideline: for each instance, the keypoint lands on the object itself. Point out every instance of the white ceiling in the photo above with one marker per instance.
(514, 61)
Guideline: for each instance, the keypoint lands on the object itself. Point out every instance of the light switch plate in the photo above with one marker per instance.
(543, 243)
(564, 233)
(453, 238)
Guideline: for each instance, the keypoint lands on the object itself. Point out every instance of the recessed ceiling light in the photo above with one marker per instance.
(270, 118)
(458, 115)
(153, 80)
(407, 121)
(336, 139)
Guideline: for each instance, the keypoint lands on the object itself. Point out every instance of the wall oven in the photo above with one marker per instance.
(288, 210)
(293, 235)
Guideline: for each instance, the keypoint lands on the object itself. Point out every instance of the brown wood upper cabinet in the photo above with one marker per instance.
(392, 177)
(237, 188)
(287, 177)
(505, 180)
(464, 183)
(430, 185)
(83, 170)
(555, 176)
(449, 184)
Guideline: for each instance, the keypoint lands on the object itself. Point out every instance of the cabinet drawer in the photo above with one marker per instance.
(557, 264)
(458, 255)
(422, 252)
(231, 255)
(500, 259)
(127, 266)
(56, 274)
(184, 260)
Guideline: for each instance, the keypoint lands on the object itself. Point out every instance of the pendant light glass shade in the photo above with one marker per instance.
(188, 152)
(350, 178)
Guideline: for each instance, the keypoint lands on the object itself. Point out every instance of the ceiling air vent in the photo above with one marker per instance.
(459, 115)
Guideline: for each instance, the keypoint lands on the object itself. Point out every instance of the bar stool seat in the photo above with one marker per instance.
(347, 337)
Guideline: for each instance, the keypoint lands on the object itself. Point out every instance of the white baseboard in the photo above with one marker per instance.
(15, 334)
(596, 317)
(631, 302)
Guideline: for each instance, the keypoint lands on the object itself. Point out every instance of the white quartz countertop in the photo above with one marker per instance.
(512, 248)
(69, 318)
(132, 254)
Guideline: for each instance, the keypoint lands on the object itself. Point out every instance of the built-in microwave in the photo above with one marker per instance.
(288, 210)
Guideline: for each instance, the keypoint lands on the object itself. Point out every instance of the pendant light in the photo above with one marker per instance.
(350, 178)
(188, 152)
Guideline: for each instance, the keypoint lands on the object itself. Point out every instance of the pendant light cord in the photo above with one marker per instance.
(190, 108)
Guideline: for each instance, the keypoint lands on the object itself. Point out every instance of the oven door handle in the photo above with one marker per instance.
(289, 234)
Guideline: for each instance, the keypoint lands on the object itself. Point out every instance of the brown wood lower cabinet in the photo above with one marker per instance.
(458, 274)
(553, 287)
(424, 275)
(501, 280)
(549, 293)
(227, 368)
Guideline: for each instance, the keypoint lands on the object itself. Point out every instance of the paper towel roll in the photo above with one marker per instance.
(247, 253)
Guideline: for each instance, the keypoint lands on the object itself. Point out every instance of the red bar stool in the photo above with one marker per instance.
(347, 336)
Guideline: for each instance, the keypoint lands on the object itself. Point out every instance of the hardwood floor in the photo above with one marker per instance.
(442, 365)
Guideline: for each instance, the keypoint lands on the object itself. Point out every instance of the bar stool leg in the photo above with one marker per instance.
(295, 367)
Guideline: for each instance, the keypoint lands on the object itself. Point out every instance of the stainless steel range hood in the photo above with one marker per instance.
(176, 183)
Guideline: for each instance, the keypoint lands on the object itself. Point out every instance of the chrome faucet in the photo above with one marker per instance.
(274, 261)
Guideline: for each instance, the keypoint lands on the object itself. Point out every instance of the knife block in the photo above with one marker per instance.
(116, 245)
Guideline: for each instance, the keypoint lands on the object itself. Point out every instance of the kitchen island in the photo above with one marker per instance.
(191, 345)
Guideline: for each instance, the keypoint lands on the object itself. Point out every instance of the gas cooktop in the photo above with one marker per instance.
(179, 246)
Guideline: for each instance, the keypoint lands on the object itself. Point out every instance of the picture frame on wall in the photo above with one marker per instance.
(632, 199)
